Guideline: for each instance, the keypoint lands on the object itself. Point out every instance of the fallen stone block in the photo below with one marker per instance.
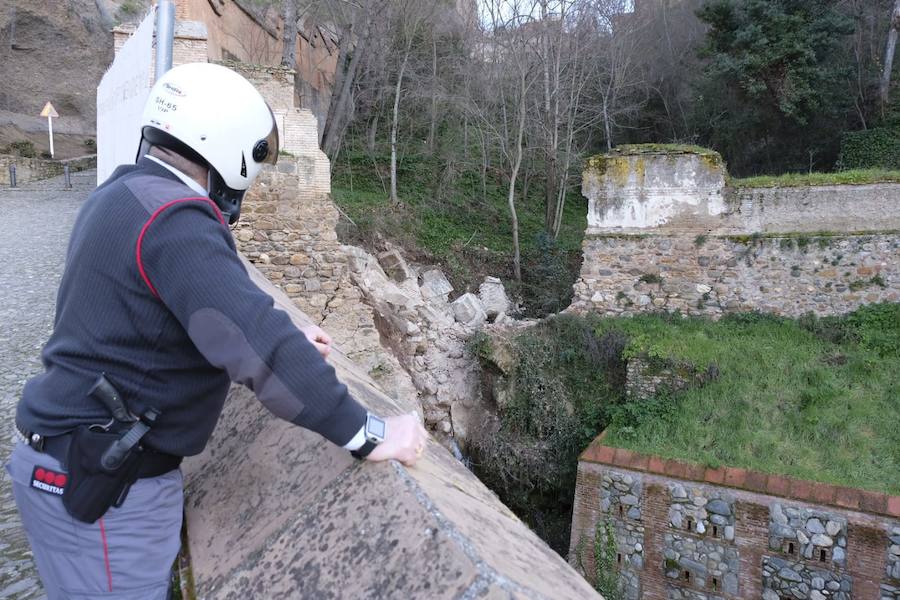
(468, 310)
(435, 285)
(493, 296)
(395, 266)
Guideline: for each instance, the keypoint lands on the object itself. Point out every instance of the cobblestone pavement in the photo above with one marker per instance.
(35, 221)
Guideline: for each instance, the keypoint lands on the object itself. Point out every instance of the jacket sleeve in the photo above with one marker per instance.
(189, 261)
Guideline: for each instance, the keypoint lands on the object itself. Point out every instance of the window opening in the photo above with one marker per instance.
(686, 575)
(714, 584)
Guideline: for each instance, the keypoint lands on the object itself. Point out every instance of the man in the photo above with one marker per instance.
(156, 316)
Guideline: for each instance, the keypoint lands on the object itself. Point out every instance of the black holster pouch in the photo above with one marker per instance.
(93, 489)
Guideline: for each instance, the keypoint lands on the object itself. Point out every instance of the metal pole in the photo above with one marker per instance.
(165, 35)
(68, 178)
(12, 175)
(50, 125)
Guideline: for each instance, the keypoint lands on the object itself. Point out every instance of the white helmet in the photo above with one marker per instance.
(211, 115)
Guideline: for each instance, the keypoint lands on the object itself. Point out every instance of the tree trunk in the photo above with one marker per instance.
(433, 126)
(606, 125)
(394, 123)
(511, 197)
(338, 111)
(372, 131)
(289, 35)
(885, 87)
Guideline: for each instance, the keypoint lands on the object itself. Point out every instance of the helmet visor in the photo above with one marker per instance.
(266, 149)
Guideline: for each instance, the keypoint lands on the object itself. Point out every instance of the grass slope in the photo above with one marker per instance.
(852, 177)
(812, 399)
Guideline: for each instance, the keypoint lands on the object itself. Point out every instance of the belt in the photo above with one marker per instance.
(152, 464)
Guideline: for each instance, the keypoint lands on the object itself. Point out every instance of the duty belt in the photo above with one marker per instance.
(153, 464)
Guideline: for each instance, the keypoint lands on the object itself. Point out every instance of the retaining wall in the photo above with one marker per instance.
(36, 169)
(665, 233)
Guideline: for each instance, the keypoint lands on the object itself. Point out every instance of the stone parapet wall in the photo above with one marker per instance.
(275, 511)
(728, 533)
(715, 275)
(812, 209)
(36, 169)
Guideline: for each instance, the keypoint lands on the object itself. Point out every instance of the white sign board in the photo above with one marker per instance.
(120, 101)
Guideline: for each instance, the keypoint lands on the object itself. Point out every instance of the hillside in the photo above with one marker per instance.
(56, 51)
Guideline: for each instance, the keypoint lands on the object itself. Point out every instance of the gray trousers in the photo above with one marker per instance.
(126, 555)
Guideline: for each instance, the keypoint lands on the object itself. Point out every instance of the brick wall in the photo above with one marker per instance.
(790, 538)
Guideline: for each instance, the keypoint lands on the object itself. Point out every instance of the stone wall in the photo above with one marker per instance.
(664, 234)
(789, 275)
(36, 169)
(727, 533)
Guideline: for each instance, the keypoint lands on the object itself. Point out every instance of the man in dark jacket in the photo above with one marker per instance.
(157, 315)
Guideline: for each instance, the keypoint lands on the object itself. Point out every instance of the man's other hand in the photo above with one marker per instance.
(404, 440)
(318, 338)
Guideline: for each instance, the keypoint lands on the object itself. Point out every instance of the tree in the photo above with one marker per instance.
(289, 34)
(774, 87)
(885, 87)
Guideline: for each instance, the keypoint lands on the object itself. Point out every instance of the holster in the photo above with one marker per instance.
(93, 489)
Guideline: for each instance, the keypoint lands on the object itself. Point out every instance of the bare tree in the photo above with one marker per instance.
(289, 34)
(885, 87)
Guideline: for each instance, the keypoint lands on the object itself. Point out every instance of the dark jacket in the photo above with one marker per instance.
(155, 296)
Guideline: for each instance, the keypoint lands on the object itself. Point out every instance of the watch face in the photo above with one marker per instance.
(375, 427)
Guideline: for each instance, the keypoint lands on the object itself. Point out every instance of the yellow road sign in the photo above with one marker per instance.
(49, 111)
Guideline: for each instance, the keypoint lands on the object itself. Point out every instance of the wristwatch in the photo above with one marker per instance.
(374, 432)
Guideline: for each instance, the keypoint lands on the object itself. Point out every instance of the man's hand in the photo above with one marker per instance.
(318, 338)
(404, 440)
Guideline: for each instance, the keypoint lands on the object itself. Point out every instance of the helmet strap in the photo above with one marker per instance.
(227, 199)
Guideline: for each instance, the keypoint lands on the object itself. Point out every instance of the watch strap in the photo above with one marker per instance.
(364, 450)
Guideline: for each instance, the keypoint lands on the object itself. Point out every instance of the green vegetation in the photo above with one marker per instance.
(565, 377)
(780, 69)
(624, 149)
(445, 217)
(871, 148)
(854, 177)
(606, 569)
(23, 148)
(809, 398)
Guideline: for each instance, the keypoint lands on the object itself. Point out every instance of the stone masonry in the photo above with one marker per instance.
(275, 511)
(727, 533)
(665, 234)
(37, 169)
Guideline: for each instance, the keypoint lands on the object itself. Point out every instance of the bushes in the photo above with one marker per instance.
(869, 149)
(22, 148)
(565, 377)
